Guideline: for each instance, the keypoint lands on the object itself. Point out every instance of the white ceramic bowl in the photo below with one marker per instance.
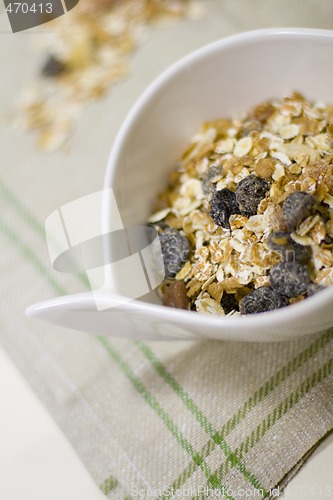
(217, 81)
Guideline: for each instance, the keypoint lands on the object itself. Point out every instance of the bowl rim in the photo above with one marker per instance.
(285, 314)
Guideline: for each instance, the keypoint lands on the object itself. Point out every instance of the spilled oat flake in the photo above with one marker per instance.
(85, 55)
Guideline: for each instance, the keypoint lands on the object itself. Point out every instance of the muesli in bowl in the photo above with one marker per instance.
(222, 79)
(246, 221)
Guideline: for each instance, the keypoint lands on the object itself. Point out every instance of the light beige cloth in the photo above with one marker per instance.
(197, 419)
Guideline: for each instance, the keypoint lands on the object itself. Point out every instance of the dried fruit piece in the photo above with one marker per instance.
(289, 278)
(296, 207)
(222, 205)
(53, 67)
(249, 193)
(261, 300)
(289, 250)
(229, 303)
(175, 295)
(175, 250)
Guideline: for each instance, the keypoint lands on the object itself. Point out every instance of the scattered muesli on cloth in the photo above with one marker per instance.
(85, 55)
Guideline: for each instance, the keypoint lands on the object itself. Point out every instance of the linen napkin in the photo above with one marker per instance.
(151, 420)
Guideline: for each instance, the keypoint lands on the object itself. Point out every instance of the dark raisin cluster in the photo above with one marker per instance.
(260, 300)
(249, 193)
(289, 278)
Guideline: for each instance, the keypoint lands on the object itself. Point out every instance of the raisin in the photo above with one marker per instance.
(175, 295)
(175, 250)
(53, 67)
(229, 303)
(296, 207)
(289, 278)
(249, 193)
(289, 250)
(222, 205)
(212, 174)
(261, 300)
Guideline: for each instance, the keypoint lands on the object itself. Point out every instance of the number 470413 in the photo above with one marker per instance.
(25, 8)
